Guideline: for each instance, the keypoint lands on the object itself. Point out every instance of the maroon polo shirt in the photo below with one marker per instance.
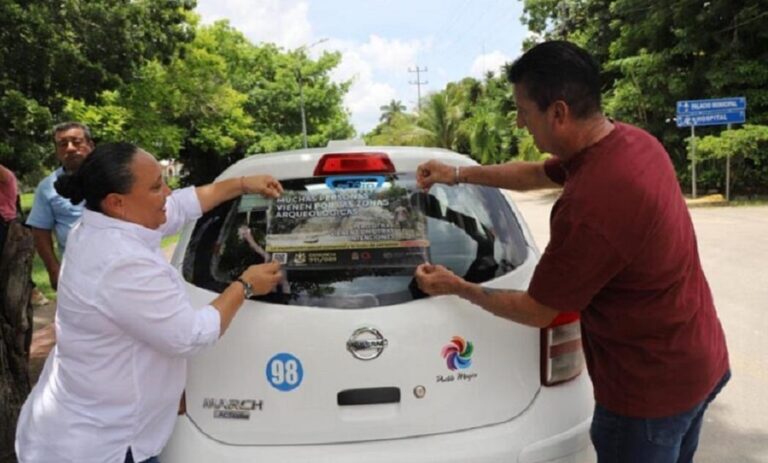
(623, 251)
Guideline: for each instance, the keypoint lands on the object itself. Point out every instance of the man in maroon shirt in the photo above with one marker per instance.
(622, 253)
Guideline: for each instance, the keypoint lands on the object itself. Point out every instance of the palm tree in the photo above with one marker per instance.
(389, 110)
(485, 135)
(440, 118)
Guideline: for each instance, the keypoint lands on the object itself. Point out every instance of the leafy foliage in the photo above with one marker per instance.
(473, 117)
(146, 72)
(399, 130)
(656, 53)
(222, 98)
(390, 110)
(748, 149)
(53, 50)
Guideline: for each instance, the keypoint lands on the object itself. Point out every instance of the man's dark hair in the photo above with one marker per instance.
(106, 170)
(559, 70)
(64, 126)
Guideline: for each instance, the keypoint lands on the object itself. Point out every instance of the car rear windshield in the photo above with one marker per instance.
(355, 241)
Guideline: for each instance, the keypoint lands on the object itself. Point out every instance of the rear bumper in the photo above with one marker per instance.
(555, 429)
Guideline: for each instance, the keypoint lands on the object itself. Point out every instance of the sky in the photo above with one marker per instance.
(382, 40)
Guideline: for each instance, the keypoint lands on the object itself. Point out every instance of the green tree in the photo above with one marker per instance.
(747, 148)
(486, 127)
(270, 77)
(23, 123)
(187, 109)
(221, 99)
(399, 130)
(53, 50)
(656, 53)
(388, 111)
(441, 119)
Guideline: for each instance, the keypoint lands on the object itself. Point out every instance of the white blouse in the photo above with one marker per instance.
(124, 325)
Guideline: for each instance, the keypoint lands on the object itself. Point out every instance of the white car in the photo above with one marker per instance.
(347, 361)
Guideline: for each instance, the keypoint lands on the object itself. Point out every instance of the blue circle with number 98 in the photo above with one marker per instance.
(284, 372)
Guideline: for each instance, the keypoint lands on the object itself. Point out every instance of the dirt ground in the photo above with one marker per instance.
(43, 338)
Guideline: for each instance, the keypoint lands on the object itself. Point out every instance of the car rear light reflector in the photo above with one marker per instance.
(562, 357)
(353, 163)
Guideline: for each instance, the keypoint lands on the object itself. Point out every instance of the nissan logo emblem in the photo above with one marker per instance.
(366, 343)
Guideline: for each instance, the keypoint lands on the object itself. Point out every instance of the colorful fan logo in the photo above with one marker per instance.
(458, 354)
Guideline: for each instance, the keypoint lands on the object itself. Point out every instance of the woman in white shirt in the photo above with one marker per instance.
(110, 388)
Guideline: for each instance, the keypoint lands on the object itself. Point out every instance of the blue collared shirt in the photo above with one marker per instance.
(51, 211)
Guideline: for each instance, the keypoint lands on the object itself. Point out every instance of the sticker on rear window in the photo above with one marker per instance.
(284, 372)
(361, 182)
(347, 221)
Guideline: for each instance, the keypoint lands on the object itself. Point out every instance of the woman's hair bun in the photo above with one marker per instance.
(70, 186)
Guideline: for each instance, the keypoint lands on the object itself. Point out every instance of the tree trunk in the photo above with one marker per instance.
(15, 332)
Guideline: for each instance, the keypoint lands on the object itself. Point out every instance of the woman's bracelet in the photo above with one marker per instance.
(456, 175)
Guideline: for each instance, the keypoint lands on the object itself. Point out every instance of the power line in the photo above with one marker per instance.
(418, 83)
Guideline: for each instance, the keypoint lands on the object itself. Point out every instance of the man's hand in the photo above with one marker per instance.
(431, 172)
(53, 277)
(437, 280)
(265, 185)
(44, 246)
(263, 277)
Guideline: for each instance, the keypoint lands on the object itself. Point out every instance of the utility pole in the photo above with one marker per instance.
(301, 103)
(418, 83)
(301, 50)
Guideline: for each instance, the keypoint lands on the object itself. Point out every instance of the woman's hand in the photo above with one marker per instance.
(265, 185)
(263, 277)
(213, 194)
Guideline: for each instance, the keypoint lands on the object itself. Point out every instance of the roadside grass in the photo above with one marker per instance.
(717, 200)
(26, 202)
(759, 201)
(169, 241)
(40, 278)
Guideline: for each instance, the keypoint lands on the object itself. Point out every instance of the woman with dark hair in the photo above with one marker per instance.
(109, 390)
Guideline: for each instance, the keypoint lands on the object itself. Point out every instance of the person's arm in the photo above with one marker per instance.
(213, 194)
(517, 306)
(44, 246)
(263, 278)
(145, 301)
(515, 175)
(4, 174)
(41, 221)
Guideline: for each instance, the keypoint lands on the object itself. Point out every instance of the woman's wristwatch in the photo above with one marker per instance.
(247, 288)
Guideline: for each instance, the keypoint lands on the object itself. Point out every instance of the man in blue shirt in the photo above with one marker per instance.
(52, 214)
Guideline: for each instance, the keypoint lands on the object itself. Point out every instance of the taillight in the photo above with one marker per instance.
(562, 357)
(348, 163)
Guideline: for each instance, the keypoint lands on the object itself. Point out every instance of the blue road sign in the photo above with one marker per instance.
(697, 120)
(718, 111)
(715, 105)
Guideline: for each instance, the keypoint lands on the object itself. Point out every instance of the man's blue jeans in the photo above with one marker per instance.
(672, 439)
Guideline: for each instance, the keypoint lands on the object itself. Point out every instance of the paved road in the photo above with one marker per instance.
(733, 243)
